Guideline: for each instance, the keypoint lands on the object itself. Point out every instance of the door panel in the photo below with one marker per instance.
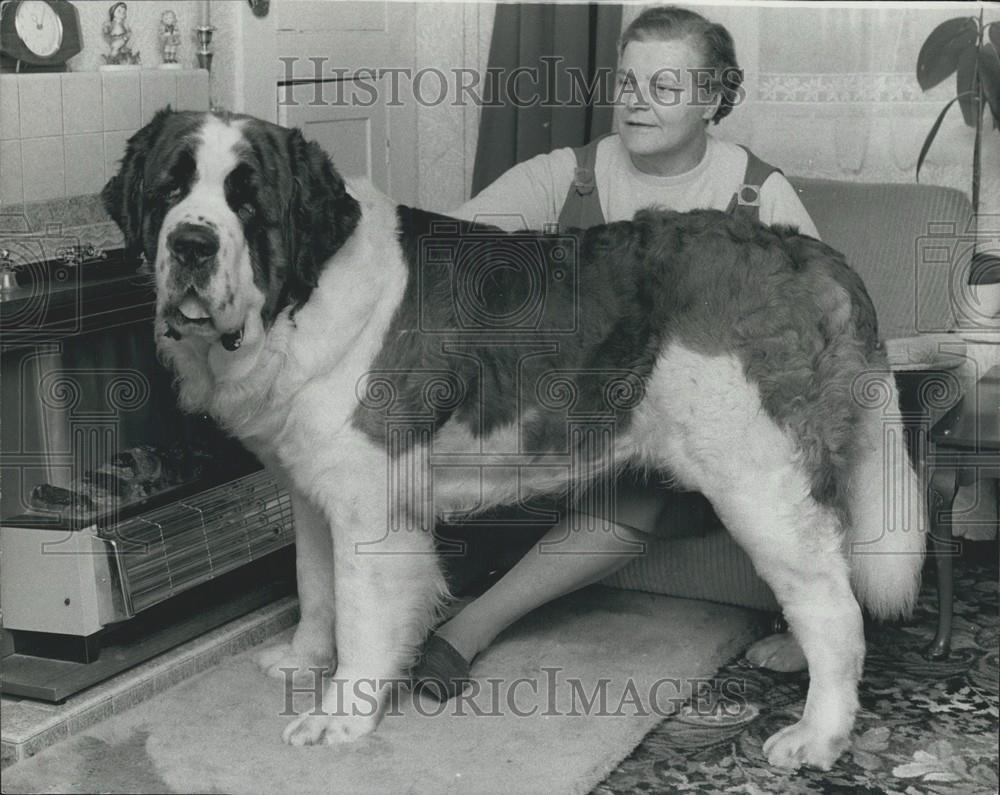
(353, 135)
(314, 16)
(310, 40)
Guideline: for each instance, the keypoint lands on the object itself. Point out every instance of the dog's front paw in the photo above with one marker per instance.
(327, 730)
(276, 661)
(803, 744)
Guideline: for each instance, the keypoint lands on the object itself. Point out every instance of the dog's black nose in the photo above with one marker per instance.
(192, 244)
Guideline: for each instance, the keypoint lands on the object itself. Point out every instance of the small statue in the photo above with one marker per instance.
(118, 34)
(170, 39)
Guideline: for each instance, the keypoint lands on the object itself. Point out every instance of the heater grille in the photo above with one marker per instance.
(166, 551)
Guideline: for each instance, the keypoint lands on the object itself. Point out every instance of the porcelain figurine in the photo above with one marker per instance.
(170, 39)
(118, 34)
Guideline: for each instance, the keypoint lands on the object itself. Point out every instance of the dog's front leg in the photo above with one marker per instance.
(386, 595)
(311, 651)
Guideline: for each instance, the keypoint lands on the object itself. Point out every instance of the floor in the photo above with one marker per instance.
(28, 726)
(924, 727)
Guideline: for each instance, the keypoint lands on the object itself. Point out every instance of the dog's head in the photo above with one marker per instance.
(236, 215)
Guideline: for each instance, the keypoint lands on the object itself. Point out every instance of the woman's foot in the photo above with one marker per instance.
(779, 652)
(443, 667)
(572, 561)
(441, 672)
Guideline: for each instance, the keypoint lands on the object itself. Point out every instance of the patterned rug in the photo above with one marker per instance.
(924, 727)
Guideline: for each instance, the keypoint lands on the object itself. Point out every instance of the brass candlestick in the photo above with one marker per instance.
(205, 46)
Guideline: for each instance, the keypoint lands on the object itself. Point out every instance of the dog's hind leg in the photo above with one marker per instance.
(795, 545)
(704, 421)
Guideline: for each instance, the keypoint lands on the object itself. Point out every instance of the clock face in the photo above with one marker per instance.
(39, 27)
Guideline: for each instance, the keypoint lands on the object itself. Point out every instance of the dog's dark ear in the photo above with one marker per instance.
(322, 216)
(122, 196)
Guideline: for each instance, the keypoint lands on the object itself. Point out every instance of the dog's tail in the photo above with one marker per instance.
(887, 528)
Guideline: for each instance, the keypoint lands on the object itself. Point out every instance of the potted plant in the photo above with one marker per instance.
(968, 48)
(971, 50)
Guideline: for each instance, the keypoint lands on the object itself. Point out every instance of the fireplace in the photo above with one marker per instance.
(114, 502)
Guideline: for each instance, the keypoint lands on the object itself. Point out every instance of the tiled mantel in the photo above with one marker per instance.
(61, 135)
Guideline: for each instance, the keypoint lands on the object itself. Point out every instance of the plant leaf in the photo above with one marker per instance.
(968, 96)
(989, 74)
(938, 56)
(932, 134)
(994, 30)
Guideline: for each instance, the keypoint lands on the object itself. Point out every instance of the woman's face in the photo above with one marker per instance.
(120, 12)
(660, 109)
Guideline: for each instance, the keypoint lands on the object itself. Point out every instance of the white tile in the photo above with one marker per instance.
(192, 90)
(40, 102)
(43, 169)
(114, 150)
(11, 184)
(121, 100)
(84, 163)
(82, 102)
(10, 114)
(159, 89)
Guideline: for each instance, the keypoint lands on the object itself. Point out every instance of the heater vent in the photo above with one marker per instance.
(166, 551)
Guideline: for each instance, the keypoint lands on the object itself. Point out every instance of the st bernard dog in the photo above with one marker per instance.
(389, 365)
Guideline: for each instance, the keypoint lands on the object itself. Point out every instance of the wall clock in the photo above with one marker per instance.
(38, 35)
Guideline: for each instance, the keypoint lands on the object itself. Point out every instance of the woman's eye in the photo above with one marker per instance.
(626, 79)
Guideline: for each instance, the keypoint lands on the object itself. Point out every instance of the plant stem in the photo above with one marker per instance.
(977, 94)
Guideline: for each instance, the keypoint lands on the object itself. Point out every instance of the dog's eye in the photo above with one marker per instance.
(174, 195)
(245, 213)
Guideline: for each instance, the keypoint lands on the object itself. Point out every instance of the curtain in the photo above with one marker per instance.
(832, 92)
(536, 109)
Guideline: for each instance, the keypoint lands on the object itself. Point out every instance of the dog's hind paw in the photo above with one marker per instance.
(276, 661)
(803, 744)
(327, 730)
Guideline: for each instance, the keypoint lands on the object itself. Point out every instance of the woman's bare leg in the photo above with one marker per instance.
(562, 562)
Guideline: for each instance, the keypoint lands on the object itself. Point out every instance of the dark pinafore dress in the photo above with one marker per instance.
(582, 207)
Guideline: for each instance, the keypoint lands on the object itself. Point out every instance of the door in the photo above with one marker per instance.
(326, 67)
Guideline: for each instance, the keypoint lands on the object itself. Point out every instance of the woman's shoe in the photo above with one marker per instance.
(441, 672)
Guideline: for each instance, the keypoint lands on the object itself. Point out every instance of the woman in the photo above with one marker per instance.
(660, 154)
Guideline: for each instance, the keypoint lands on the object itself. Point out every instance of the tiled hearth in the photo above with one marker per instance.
(28, 726)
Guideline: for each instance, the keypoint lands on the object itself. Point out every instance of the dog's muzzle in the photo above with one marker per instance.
(193, 248)
(192, 312)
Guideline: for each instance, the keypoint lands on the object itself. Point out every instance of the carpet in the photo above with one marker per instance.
(567, 693)
(926, 727)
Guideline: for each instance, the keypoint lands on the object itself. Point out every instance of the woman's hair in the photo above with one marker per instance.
(668, 23)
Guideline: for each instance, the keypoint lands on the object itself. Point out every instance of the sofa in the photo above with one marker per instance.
(912, 246)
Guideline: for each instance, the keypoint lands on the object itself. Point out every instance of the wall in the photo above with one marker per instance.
(449, 36)
(63, 134)
(61, 137)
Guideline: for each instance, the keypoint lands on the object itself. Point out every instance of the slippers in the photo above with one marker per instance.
(441, 672)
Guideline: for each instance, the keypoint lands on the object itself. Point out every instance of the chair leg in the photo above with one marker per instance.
(943, 488)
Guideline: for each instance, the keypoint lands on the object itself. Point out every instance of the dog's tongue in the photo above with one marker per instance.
(193, 309)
